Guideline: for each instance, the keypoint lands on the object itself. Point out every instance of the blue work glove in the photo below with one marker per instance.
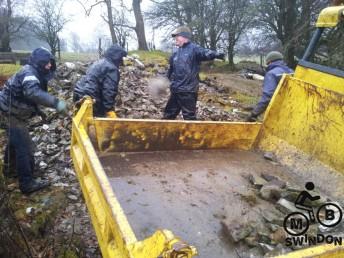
(61, 106)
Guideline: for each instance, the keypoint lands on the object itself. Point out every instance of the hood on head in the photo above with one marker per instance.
(115, 54)
(275, 64)
(40, 57)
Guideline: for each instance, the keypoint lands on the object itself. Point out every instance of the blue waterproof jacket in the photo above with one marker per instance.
(185, 65)
(273, 75)
(102, 78)
(27, 89)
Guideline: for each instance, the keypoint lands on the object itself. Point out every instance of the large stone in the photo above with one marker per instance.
(236, 230)
(263, 233)
(269, 177)
(266, 247)
(278, 236)
(252, 241)
(257, 181)
(270, 192)
(270, 156)
(249, 196)
(290, 195)
(273, 216)
(286, 206)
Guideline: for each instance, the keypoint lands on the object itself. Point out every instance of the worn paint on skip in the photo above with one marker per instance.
(308, 117)
(146, 135)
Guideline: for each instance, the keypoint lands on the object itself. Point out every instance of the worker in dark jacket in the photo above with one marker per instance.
(101, 82)
(183, 74)
(276, 68)
(19, 101)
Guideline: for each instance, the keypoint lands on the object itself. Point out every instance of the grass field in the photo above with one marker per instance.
(145, 56)
(8, 69)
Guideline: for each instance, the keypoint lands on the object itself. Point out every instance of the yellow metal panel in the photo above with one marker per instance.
(323, 251)
(307, 117)
(173, 247)
(321, 79)
(101, 202)
(330, 16)
(115, 236)
(151, 135)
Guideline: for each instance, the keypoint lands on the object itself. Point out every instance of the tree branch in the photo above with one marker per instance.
(88, 11)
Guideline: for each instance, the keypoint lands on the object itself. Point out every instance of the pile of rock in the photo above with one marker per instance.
(267, 235)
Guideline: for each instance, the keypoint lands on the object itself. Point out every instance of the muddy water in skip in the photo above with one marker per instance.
(188, 192)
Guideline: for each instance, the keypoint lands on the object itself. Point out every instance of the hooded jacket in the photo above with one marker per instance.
(24, 91)
(274, 73)
(185, 66)
(101, 79)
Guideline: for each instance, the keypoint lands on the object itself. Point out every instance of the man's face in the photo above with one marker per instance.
(180, 40)
(47, 66)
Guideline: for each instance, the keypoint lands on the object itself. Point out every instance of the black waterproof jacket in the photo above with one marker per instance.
(185, 66)
(101, 79)
(27, 89)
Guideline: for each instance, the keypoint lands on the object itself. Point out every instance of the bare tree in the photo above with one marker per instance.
(236, 19)
(5, 17)
(49, 22)
(203, 17)
(110, 21)
(118, 24)
(122, 34)
(10, 24)
(290, 21)
(108, 18)
(140, 26)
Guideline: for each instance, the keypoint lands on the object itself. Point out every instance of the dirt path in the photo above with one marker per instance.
(236, 83)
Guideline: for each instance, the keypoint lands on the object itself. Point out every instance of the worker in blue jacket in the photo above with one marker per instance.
(276, 68)
(101, 82)
(184, 74)
(20, 99)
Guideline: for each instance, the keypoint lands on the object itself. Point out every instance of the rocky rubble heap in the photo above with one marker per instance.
(266, 236)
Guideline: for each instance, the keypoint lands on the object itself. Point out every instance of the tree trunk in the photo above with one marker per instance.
(230, 53)
(306, 17)
(52, 46)
(290, 32)
(5, 29)
(213, 36)
(110, 22)
(140, 26)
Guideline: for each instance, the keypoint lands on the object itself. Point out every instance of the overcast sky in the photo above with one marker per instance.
(89, 28)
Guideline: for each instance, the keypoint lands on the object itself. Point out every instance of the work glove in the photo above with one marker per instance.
(252, 118)
(220, 56)
(61, 107)
(111, 114)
